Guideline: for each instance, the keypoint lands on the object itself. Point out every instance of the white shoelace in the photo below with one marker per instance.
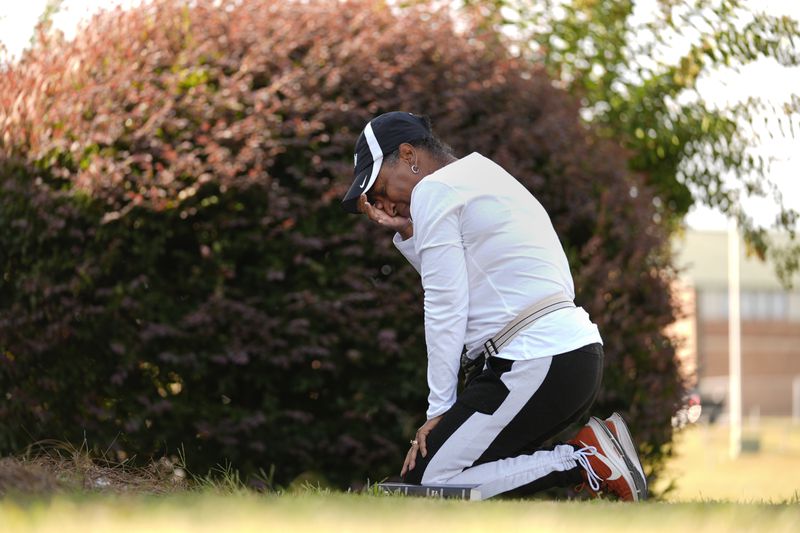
(582, 457)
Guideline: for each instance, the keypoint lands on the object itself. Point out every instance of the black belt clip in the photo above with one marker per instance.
(471, 367)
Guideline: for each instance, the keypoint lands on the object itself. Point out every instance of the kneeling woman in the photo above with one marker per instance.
(497, 287)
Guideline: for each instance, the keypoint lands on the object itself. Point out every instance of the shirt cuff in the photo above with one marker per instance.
(406, 247)
(440, 410)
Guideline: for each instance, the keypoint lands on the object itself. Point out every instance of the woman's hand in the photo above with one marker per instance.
(419, 444)
(402, 225)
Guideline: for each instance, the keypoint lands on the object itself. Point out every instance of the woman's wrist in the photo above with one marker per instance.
(407, 231)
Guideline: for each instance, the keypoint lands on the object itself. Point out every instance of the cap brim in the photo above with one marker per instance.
(361, 184)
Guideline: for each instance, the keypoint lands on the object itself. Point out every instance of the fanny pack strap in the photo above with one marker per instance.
(527, 317)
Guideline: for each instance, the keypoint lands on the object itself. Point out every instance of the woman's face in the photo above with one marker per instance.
(389, 193)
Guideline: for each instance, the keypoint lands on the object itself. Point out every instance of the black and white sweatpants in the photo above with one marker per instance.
(492, 436)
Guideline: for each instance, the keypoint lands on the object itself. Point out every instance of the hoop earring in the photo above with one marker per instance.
(415, 169)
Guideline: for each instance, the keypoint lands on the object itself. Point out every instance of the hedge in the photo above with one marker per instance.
(177, 272)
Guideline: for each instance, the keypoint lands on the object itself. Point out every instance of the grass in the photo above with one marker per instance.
(702, 468)
(757, 492)
(348, 512)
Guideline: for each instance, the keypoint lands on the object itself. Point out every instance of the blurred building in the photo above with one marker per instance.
(770, 325)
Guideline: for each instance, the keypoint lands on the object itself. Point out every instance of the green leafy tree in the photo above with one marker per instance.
(638, 83)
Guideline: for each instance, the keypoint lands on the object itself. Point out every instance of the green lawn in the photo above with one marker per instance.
(343, 512)
(757, 492)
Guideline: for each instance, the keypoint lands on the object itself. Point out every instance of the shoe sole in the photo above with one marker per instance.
(639, 482)
(609, 444)
(626, 440)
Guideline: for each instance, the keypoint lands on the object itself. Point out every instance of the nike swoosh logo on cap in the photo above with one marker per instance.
(363, 182)
(616, 473)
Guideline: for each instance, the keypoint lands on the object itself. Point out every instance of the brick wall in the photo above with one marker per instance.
(770, 363)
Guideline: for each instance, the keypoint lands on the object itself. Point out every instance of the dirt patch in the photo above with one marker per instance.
(52, 469)
(20, 477)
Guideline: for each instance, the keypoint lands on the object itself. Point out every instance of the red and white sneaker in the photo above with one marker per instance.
(603, 463)
(616, 424)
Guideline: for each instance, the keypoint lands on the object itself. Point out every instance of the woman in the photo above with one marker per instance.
(497, 285)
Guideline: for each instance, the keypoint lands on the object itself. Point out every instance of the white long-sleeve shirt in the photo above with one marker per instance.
(486, 250)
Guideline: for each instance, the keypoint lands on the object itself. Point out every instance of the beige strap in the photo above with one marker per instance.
(524, 319)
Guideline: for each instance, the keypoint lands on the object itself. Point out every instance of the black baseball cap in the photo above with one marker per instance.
(381, 136)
